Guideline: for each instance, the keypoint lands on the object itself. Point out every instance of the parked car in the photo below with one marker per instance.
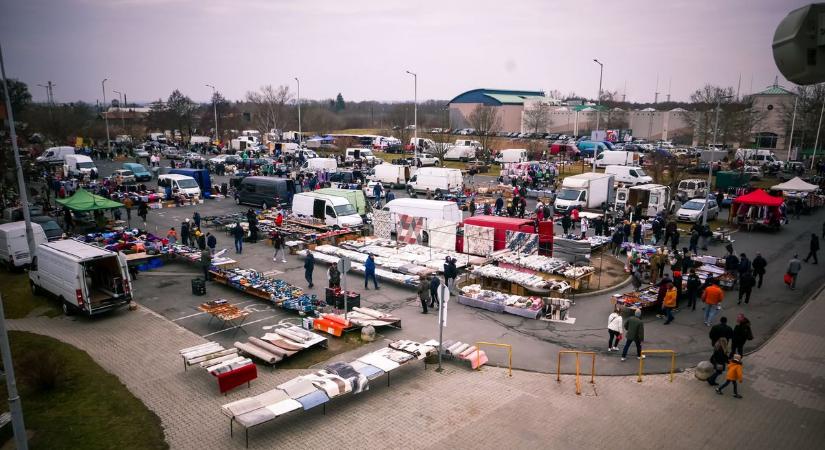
(170, 152)
(425, 160)
(141, 152)
(693, 210)
(126, 175)
(50, 227)
(754, 171)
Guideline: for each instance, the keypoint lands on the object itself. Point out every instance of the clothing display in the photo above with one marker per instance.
(473, 295)
(382, 224)
(520, 242)
(479, 240)
(409, 228)
(442, 234)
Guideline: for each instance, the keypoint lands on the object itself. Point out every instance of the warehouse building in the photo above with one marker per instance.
(508, 103)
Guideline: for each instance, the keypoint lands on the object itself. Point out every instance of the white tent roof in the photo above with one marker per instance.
(796, 184)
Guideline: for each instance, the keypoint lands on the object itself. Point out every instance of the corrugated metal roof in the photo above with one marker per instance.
(775, 90)
(488, 96)
(509, 99)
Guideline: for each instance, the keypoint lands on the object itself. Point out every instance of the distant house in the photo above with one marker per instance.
(775, 104)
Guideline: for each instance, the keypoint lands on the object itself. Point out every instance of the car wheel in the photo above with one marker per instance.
(68, 309)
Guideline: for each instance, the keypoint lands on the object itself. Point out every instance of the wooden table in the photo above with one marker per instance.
(227, 313)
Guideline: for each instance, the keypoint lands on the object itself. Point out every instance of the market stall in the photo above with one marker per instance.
(798, 189)
(264, 286)
(756, 209)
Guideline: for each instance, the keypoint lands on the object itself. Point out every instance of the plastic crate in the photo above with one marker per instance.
(198, 286)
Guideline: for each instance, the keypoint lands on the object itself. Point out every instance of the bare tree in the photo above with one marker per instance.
(486, 121)
(700, 117)
(269, 106)
(536, 116)
(321, 120)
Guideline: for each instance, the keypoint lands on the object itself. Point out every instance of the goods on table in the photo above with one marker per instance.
(646, 298)
(474, 295)
(258, 284)
(531, 281)
(578, 272)
(382, 274)
(538, 263)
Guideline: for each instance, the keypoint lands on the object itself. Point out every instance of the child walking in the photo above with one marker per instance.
(734, 376)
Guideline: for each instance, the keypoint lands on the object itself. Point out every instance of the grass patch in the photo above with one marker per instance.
(18, 300)
(87, 408)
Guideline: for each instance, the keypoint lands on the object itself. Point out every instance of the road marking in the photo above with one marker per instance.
(236, 326)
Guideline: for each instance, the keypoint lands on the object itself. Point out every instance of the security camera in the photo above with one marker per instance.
(799, 45)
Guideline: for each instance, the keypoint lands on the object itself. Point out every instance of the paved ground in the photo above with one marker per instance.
(783, 405)
(535, 343)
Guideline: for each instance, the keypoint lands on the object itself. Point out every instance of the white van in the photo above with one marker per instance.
(319, 164)
(391, 175)
(460, 153)
(617, 157)
(14, 246)
(511, 155)
(429, 209)
(54, 155)
(86, 279)
(79, 165)
(692, 188)
(179, 183)
(336, 212)
(631, 175)
(436, 180)
(365, 154)
(200, 140)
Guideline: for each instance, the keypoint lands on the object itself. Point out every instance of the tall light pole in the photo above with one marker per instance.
(120, 108)
(106, 115)
(598, 107)
(712, 152)
(214, 109)
(818, 128)
(300, 136)
(15, 406)
(793, 122)
(415, 111)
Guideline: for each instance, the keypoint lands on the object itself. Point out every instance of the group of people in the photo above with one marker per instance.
(728, 348)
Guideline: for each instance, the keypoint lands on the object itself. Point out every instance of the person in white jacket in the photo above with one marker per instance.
(614, 328)
(584, 225)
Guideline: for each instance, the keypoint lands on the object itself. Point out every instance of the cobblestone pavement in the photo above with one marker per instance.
(783, 405)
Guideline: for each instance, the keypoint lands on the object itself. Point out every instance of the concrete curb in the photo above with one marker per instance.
(607, 289)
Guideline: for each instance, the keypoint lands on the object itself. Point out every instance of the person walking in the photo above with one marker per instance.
(759, 263)
(614, 329)
(172, 236)
(369, 272)
(435, 282)
(206, 263)
(746, 283)
(721, 330)
(127, 203)
(674, 240)
(734, 376)
(742, 333)
(694, 241)
(143, 210)
(814, 247)
(238, 233)
(309, 266)
(566, 221)
(634, 332)
(744, 265)
(584, 226)
(669, 303)
(712, 297)
(794, 267)
(211, 243)
(196, 217)
(719, 359)
(184, 232)
(450, 274)
(423, 293)
(278, 245)
(693, 286)
(334, 276)
(201, 238)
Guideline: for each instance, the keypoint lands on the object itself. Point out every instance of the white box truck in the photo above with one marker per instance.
(511, 155)
(336, 212)
(320, 164)
(435, 180)
(86, 279)
(79, 165)
(585, 191)
(55, 155)
(632, 175)
(654, 198)
(14, 245)
(391, 175)
(617, 157)
(460, 153)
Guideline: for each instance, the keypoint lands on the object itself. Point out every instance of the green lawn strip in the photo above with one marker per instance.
(18, 300)
(89, 408)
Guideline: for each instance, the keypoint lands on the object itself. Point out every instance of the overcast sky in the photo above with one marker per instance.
(362, 48)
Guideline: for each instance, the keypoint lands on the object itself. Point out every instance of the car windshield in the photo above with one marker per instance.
(640, 172)
(345, 210)
(187, 183)
(126, 173)
(49, 225)
(568, 194)
(86, 165)
(693, 205)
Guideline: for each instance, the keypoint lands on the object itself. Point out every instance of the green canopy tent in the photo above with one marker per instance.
(83, 200)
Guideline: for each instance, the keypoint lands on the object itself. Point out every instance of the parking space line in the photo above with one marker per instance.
(236, 326)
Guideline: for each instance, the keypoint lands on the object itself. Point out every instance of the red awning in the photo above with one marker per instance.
(758, 198)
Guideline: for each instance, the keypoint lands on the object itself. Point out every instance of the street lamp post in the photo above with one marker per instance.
(215, 110)
(818, 129)
(300, 135)
(415, 111)
(598, 107)
(712, 151)
(793, 123)
(120, 108)
(106, 116)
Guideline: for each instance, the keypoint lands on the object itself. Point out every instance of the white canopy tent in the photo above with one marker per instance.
(795, 185)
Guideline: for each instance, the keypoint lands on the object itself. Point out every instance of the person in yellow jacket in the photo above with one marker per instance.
(734, 376)
(669, 303)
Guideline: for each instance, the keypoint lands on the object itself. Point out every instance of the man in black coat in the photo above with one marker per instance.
(746, 282)
(309, 267)
(184, 232)
(721, 330)
(813, 249)
(759, 263)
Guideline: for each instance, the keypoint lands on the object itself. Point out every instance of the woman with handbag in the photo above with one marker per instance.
(614, 329)
(719, 358)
